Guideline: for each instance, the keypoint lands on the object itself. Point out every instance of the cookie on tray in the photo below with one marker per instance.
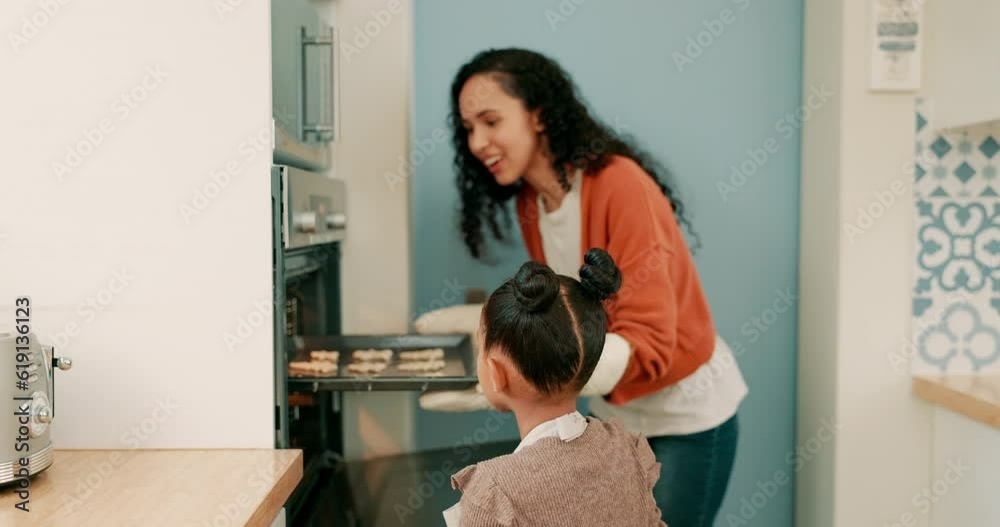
(367, 367)
(422, 366)
(325, 355)
(422, 355)
(372, 355)
(312, 366)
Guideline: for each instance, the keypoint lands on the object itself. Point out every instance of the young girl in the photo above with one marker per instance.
(540, 338)
(521, 132)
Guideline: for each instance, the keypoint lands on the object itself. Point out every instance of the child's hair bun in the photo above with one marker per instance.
(535, 287)
(599, 275)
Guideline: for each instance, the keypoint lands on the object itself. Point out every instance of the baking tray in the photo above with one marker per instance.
(459, 371)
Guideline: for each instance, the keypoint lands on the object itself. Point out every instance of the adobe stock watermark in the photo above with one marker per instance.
(580, 157)
(254, 144)
(122, 108)
(704, 378)
(786, 126)
(885, 199)
(705, 38)
(224, 7)
(247, 324)
(425, 148)
(259, 483)
(379, 21)
(566, 8)
(425, 318)
(783, 301)
(450, 293)
(796, 459)
(92, 305)
(136, 435)
(899, 360)
(417, 497)
(427, 315)
(925, 499)
(31, 25)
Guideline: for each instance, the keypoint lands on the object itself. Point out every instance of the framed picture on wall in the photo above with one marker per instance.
(897, 30)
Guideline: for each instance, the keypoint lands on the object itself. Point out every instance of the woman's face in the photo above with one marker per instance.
(501, 132)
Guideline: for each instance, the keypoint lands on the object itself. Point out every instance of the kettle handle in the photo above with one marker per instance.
(52, 362)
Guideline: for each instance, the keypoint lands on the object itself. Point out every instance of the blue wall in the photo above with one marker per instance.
(700, 119)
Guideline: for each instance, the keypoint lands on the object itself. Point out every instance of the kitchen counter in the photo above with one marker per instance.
(157, 487)
(974, 396)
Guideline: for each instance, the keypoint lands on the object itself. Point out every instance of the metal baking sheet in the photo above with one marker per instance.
(459, 371)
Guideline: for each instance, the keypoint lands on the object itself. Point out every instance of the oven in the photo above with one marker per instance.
(309, 223)
(309, 227)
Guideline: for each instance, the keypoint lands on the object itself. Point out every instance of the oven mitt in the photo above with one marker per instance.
(462, 318)
(467, 400)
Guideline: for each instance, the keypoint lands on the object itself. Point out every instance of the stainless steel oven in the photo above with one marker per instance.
(309, 223)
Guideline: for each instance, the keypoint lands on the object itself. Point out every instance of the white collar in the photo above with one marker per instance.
(566, 427)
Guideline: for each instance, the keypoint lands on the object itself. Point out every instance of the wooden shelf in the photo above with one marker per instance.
(974, 396)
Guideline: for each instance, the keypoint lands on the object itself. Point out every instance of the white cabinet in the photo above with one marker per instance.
(303, 84)
(963, 61)
(965, 473)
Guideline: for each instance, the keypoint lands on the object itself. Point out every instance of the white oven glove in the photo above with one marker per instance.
(467, 400)
(610, 368)
(462, 318)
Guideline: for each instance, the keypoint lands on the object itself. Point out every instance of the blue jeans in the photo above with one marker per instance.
(694, 474)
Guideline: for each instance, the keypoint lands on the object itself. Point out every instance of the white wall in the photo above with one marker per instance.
(376, 77)
(856, 293)
(151, 367)
(819, 265)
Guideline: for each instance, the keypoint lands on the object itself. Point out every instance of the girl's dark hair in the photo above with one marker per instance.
(552, 326)
(575, 138)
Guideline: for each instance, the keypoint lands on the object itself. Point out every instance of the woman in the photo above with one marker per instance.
(522, 132)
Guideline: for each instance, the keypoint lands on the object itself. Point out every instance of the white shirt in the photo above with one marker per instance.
(697, 403)
(561, 239)
(566, 427)
(561, 231)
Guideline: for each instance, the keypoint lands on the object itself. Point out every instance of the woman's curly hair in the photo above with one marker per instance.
(574, 137)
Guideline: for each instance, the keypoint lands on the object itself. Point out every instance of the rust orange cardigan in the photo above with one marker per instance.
(660, 309)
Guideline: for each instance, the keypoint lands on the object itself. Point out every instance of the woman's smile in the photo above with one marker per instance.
(495, 164)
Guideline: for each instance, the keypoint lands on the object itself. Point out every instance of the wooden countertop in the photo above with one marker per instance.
(974, 396)
(158, 487)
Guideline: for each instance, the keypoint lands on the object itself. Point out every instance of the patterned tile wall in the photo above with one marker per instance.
(956, 298)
